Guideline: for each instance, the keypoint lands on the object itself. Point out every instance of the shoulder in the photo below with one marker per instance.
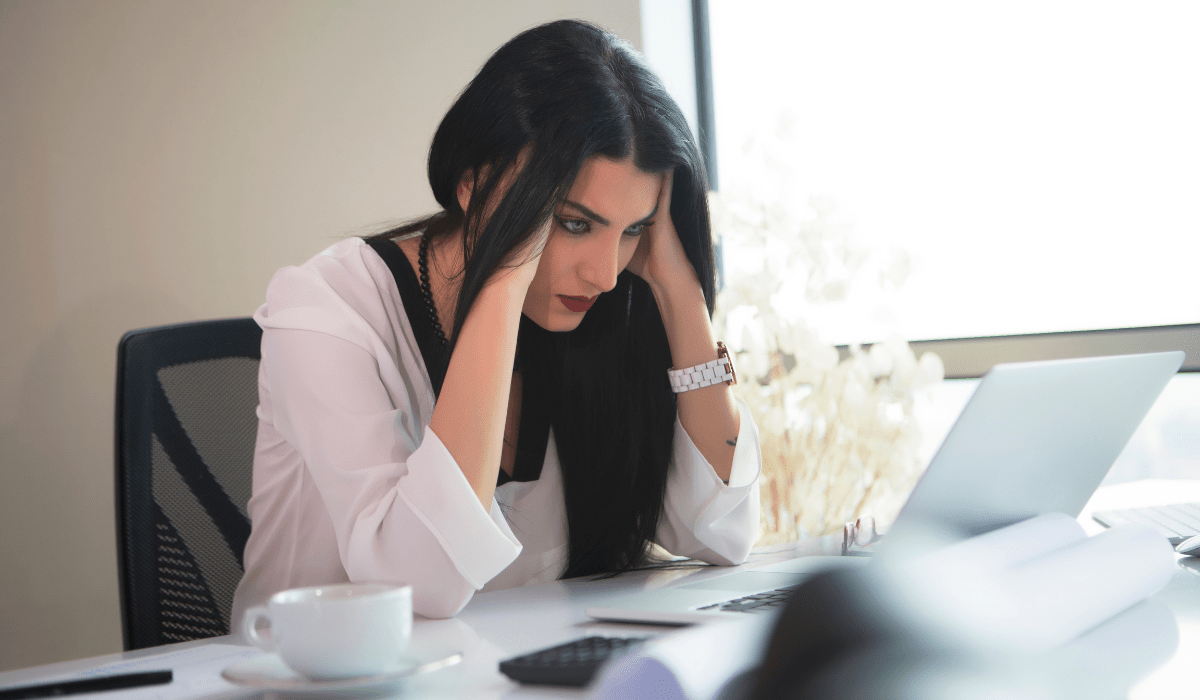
(344, 267)
(345, 290)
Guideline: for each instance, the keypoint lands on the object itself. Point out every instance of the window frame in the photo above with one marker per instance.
(970, 358)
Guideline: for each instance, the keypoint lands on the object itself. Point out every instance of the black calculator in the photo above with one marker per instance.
(573, 663)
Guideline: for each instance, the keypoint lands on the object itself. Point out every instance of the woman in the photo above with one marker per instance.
(540, 438)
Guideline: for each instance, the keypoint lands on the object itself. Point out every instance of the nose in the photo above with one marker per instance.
(600, 264)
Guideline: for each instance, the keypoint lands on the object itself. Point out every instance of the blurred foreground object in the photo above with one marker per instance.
(1036, 610)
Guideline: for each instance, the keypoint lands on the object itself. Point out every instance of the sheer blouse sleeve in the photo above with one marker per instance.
(703, 517)
(400, 506)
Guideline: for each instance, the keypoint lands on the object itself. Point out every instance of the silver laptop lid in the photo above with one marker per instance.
(1035, 437)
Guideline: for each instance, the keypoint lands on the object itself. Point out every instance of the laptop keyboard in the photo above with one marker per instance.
(759, 602)
(1176, 522)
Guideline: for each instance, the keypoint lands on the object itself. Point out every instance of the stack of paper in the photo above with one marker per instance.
(1038, 584)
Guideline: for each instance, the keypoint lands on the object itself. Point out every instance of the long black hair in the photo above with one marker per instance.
(544, 103)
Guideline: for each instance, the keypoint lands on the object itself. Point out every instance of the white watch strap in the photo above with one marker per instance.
(707, 374)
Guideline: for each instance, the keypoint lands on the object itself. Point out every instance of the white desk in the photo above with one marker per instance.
(1177, 678)
(501, 624)
(494, 626)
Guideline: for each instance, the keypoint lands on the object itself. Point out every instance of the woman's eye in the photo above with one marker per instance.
(637, 229)
(574, 225)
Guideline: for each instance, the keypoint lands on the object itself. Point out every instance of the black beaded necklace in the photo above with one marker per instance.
(426, 292)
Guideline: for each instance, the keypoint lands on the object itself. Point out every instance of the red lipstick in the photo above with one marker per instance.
(577, 304)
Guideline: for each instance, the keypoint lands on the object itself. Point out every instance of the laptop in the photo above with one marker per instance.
(1035, 437)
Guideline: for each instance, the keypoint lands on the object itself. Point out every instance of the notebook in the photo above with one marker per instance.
(1035, 438)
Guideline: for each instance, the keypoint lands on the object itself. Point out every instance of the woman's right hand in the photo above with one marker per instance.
(519, 269)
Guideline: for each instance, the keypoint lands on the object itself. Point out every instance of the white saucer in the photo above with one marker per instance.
(270, 673)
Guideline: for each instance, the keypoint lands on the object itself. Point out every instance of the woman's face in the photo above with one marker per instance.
(592, 238)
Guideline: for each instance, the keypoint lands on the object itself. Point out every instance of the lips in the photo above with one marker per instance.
(577, 304)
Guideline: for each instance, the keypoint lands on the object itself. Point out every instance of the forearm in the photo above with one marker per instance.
(473, 404)
(709, 415)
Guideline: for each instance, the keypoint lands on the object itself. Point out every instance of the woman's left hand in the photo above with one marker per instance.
(660, 258)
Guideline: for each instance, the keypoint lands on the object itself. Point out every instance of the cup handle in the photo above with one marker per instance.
(250, 627)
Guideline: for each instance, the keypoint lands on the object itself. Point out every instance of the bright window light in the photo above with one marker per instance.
(1016, 167)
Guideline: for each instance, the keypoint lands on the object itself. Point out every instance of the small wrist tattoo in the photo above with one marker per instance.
(731, 443)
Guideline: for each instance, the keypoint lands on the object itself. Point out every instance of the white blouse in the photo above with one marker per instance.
(350, 484)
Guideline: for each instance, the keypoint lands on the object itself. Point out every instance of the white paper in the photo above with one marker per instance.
(1061, 595)
(1031, 597)
(693, 664)
(1007, 547)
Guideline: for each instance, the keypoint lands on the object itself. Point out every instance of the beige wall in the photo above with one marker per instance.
(158, 161)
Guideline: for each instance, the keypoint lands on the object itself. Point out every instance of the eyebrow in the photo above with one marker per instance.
(603, 221)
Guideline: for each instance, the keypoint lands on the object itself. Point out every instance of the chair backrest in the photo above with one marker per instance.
(185, 432)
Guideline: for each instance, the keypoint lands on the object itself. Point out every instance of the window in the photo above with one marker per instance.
(998, 168)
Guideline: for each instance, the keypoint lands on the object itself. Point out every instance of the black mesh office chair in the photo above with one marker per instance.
(185, 431)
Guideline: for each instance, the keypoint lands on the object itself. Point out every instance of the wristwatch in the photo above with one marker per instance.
(707, 374)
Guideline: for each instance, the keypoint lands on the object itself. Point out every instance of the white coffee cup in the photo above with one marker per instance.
(337, 631)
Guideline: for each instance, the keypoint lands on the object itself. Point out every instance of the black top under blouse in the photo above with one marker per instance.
(535, 421)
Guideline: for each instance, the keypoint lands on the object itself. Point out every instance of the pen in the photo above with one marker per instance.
(87, 685)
